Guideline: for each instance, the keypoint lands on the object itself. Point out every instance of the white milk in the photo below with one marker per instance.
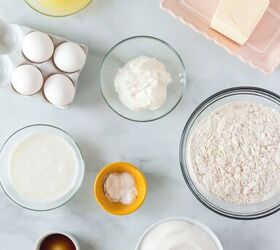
(43, 167)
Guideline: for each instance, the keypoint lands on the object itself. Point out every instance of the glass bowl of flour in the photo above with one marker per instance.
(142, 78)
(230, 153)
(41, 167)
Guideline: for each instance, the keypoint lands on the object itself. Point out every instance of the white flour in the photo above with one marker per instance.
(235, 153)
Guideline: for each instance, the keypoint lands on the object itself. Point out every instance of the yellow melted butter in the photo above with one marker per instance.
(59, 7)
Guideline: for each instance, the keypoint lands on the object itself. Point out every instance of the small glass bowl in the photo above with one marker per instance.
(69, 236)
(129, 49)
(244, 211)
(187, 220)
(40, 6)
(5, 178)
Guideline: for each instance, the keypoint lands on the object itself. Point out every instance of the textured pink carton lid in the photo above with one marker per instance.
(261, 51)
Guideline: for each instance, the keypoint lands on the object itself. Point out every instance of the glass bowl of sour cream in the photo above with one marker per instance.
(142, 78)
(41, 167)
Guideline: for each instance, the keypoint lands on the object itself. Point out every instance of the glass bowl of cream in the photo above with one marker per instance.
(142, 78)
(178, 233)
(41, 167)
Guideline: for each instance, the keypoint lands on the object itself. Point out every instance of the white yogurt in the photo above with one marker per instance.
(43, 167)
(179, 235)
(142, 83)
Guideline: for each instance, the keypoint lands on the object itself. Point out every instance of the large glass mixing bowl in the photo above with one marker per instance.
(246, 211)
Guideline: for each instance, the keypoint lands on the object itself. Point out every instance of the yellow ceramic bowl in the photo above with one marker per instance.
(118, 208)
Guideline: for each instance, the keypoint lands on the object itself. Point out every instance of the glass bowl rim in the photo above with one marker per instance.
(151, 38)
(50, 15)
(79, 151)
(261, 92)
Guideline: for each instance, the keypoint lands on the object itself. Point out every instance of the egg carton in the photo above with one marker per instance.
(11, 56)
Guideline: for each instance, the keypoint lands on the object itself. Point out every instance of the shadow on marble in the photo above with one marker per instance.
(88, 90)
(97, 5)
(85, 245)
(84, 199)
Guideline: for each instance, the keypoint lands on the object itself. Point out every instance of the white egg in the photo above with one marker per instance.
(59, 90)
(37, 47)
(69, 57)
(27, 79)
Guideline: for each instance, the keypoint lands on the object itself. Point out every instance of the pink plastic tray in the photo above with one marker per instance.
(261, 51)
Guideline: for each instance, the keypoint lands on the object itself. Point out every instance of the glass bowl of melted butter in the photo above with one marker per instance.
(58, 8)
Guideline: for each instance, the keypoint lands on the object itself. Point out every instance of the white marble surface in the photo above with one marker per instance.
(105, 137)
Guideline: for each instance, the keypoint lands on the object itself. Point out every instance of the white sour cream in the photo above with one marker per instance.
(142, 83)
(178, 235)
(43, 167)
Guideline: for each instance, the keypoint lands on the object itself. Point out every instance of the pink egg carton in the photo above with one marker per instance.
(14, 58)
(261, 51)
